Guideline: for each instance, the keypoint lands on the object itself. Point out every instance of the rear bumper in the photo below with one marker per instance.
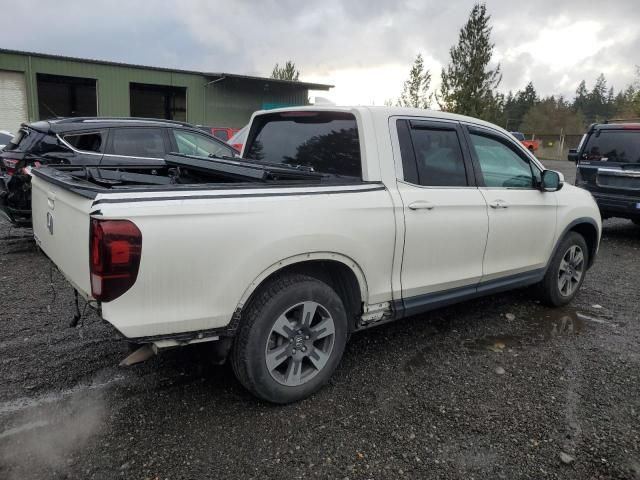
(623, 206)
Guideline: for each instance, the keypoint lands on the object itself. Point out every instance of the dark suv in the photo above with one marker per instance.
(608, 165)
(134, 142)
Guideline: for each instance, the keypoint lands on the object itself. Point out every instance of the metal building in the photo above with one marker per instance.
(35, 86)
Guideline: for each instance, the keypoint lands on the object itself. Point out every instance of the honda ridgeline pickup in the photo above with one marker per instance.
(335, 220)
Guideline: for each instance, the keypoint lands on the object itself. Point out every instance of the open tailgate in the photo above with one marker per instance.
(61, 229)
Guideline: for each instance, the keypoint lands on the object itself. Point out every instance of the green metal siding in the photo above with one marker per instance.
(228, 102)
(232, 101)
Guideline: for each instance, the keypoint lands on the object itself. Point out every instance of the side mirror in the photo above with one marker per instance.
(573, 155)
(552, 181)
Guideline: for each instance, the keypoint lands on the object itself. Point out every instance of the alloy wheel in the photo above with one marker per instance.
(570, 271)
(300, 343)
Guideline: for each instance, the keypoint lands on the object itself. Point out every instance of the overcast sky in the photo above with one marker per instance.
(365, 47)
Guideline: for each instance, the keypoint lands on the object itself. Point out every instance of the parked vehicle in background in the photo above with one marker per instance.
(531, 145)
(93, 141)
(237, 141)
(5, 138)
(336, 220)
(608, 165)
(221, 133)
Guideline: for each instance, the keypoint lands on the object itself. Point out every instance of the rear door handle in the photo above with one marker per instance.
(421, 205)
(499, 204)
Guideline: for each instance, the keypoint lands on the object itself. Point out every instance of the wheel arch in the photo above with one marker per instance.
(342, 273)
(589, 230)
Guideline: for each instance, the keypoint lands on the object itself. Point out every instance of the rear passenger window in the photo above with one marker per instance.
(86, 141)
(138, 142)
(437, 155)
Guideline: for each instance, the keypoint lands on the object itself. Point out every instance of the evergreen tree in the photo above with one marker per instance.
(287, 72)
(597, 100)
(550, 116)
(468, 84)
(625, 103)
(525, 100)
(582, 98)
(416, 88)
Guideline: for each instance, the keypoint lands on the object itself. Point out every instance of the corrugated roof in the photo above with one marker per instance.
(308, 85)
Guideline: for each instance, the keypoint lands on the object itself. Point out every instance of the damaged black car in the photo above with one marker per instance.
(138, 144)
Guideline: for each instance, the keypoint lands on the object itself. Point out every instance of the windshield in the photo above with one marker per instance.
(327, 142)
(621, 146)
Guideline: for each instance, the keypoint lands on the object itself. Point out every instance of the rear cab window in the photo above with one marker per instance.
(327, 142)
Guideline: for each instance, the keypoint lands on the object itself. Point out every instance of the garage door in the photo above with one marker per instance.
(13, 100)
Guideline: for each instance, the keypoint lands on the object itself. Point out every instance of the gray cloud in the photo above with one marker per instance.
(324, 36)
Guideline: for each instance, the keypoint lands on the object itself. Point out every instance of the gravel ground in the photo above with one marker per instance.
(495, 388)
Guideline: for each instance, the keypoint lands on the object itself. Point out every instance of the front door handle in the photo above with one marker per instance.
(421, 205)
(498, 204)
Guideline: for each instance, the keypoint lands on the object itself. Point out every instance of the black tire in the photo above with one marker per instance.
(549, 288)
(636, 221)
(275, 299)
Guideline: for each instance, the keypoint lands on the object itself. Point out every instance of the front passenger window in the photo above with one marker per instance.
(500, 165)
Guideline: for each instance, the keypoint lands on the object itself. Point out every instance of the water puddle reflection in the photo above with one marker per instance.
(561, 322)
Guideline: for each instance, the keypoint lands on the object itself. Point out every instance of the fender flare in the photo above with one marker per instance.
(567, 229)
(300, 258)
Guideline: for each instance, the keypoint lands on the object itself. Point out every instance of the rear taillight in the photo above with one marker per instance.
(11, 165)
(114, 250)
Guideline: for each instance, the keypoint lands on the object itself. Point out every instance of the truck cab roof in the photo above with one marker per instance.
(381, 113)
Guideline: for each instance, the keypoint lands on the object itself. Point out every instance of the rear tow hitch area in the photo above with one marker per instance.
(142, 354)
(216, 349)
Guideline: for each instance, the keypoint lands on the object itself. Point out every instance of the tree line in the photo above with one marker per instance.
(469, 86)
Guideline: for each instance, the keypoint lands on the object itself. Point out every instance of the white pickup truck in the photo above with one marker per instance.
(335, 220)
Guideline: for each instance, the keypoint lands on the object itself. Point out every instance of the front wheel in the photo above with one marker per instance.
(291, 339)
(566, 271)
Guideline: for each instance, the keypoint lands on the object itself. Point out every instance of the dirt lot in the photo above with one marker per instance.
(494, 388)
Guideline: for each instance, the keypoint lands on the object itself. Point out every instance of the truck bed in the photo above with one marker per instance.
(205, 241)
(181, 173)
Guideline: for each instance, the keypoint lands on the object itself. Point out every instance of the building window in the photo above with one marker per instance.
(62, 96)
(158, 101)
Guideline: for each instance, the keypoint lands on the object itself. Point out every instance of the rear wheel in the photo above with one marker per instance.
(566, 272)
(291, 339)
(636, 221)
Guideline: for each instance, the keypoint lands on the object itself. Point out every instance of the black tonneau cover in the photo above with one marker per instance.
(203, 174)
(242, 169)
